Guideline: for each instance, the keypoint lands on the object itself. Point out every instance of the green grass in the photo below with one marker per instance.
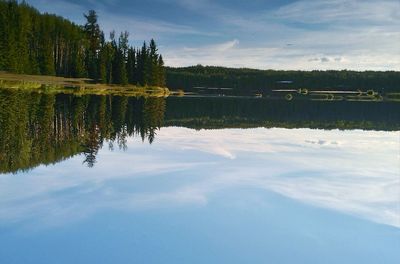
(77, 86)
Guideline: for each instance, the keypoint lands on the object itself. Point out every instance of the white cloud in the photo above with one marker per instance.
(226, 46)
(353, 34)
(356, 49)
(351, 12)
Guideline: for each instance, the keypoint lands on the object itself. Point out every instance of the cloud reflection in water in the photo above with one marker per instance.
(354, 172)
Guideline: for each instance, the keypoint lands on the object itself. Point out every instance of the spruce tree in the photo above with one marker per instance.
(102, 61)
(161, 72)
(46, 59)
(92, 30)
(145, 67)
(139, 67)
(11, 36)
(123, 53)
(119, 64)
(131, 66)
(153, 63)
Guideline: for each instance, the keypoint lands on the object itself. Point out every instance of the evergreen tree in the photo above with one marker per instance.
(3, 35)
(46, 59)
(139, 67)
(102, 60)
(131, 66)
(161, 72)
(153, 64)
(109, 53)
(123, 54)
(144, 65)
(92, 30)
(11, 17)
(120, 75)
(22, 38)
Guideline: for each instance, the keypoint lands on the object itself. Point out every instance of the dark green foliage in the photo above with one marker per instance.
(143, 65)
(161, 72)
(131, 66)
(120, 60)
(34, 43)
(93, 34)
(153, 63)
(3, 36)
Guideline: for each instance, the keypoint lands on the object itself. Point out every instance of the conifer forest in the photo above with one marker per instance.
(46, 44)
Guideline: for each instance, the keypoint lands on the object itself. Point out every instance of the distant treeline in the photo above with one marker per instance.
(35, 43)
(262, 81)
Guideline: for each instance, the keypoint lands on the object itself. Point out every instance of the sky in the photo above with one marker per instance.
(263, 34)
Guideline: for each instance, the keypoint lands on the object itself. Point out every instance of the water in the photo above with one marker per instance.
(197, 180)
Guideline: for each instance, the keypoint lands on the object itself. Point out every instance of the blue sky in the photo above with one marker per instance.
(287, 34)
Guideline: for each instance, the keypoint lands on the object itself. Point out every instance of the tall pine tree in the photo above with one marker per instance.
(92, 30)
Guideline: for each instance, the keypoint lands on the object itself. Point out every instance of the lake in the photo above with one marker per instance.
(111, 179)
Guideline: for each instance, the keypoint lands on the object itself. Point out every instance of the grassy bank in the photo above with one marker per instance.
(78, 86)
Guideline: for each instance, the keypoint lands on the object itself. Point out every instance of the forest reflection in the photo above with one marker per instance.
(44, 128)
(38, 128)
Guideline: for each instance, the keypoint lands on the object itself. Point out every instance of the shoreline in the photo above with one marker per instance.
(78, 86)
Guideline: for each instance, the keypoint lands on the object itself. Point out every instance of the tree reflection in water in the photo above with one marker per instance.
(44, 129)
(37, 128)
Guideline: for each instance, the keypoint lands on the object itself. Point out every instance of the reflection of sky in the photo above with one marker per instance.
(301, 190)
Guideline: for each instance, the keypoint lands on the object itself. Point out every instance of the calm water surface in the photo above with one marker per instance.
(197, 180)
